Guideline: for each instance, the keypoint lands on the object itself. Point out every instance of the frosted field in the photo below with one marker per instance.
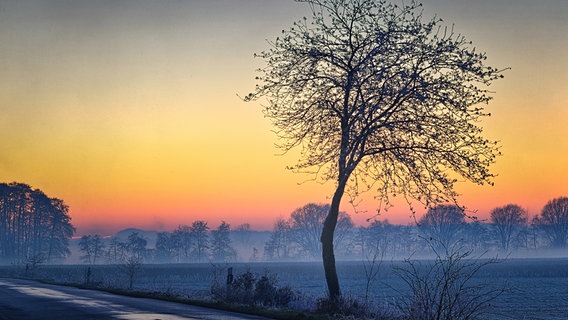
(538, 287)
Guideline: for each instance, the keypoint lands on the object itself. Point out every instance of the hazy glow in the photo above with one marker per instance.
(129, 110)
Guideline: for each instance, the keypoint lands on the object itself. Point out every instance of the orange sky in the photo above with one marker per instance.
(129, 111)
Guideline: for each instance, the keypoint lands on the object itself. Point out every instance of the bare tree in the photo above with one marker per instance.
(199, 233)
(131, 267)
(377, 98)
(221, 249)
(443, 223)
(373, 256)
(92, 247)
(183, 241)
(553, 221)
(445, 288)
(306, 225)
(378, 236)
(136, 246)
(279, 245)
(508, 221)
(117, 251)
(166, 247)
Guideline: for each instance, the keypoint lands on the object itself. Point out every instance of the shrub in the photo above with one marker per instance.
(249, 289)
(443, 289)
(241, 289)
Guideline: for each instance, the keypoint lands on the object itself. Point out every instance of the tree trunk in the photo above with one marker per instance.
(327, 243)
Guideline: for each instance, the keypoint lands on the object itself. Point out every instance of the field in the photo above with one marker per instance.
(536, 288)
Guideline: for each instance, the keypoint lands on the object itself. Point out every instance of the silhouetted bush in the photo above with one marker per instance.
(249, 289)
(444, 289)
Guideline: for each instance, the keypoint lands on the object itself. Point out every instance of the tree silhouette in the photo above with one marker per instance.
(443, 223)
(377, 98)
(553, 221)
(59, 230)
(136, 246)
(92, 247)
(32, 224)
(306, 224)
(166, 247)
(221, 249)
(199, 233)
(183, 240)
(508, 221)
(280, 242)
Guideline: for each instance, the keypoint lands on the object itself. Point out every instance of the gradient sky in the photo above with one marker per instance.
(129, 110)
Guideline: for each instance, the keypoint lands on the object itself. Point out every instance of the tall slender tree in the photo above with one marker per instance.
(377, 97)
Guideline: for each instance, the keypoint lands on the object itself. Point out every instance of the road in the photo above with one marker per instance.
(25, 299)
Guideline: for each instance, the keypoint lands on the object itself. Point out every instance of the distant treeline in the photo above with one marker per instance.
(34, 228)
(508, 229)
(297, 238)
(186, 244)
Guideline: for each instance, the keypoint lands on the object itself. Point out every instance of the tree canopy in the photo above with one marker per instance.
(32, 225)
(377, 97)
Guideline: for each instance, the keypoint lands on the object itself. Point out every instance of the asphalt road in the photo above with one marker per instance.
(24, 299)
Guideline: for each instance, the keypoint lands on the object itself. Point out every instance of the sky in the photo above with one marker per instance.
(130, 110)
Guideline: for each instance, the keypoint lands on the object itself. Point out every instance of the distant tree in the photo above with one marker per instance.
(377, 237)
(136, 246)
(131, 267)
(477, 236)
(374, 95)
(279, 245)
(392, 240)
(306, 225)
(221, 249)
(508, 222)
(98, 247)
(242, 233)
(85, 248)
(116, 252)
(553, 222)
(166, 248)
(200, 235)
(443, 223)
(183, 239)
(92, 247)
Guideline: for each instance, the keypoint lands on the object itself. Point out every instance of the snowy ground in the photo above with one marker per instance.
(537, 288)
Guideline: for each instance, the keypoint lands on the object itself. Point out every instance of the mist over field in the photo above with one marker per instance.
(427, 144)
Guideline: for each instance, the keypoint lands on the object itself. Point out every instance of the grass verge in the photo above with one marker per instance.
(279, 314)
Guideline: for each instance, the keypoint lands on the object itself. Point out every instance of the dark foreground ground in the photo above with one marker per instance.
(536, 288)
(25, 299)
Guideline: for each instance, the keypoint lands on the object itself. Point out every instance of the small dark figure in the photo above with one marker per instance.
(88, 276)
(229, 275)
